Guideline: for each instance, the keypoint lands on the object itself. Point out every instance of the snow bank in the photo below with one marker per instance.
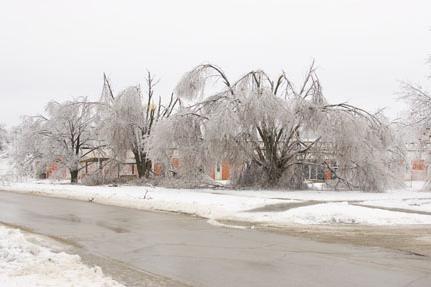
(304, 195)
(413, 204)
(23, 263)
(269, 207)
(336, 213)
(201, 203)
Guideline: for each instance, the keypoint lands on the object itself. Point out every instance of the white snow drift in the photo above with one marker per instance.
(23, 263)
(337, 212)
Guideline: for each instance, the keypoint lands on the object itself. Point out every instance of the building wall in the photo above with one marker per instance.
(417, 161)
(220, 171)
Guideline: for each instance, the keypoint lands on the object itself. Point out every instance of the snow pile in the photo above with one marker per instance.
(336, 213)
(23, 263)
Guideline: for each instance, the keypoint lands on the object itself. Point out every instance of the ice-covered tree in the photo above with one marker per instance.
(416, 119)
(64, 135)
(271, 129)
(3, 137)
(128, 119)
(27, 149)
(418, 113)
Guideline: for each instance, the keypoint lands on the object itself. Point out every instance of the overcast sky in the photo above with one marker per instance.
(60, 49)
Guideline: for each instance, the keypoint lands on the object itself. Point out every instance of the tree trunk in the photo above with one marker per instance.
(143, 164)
(294, 177)
(274, 175)
(74, 176)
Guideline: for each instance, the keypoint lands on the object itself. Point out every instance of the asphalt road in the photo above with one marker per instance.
(189, 250)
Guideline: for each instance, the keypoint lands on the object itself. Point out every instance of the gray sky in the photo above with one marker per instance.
(59, 49)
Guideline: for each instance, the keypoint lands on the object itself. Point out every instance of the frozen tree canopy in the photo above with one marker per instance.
(417, 118)
(3, 137)
(419, 105)
(63, 136)
(270, 129)
(127, 120)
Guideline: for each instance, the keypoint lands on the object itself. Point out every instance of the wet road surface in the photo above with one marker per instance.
(189, 250)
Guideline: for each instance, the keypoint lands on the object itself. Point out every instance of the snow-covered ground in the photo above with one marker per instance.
(333, 213)
(26, 261)
(256, 206)
(204, 203)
